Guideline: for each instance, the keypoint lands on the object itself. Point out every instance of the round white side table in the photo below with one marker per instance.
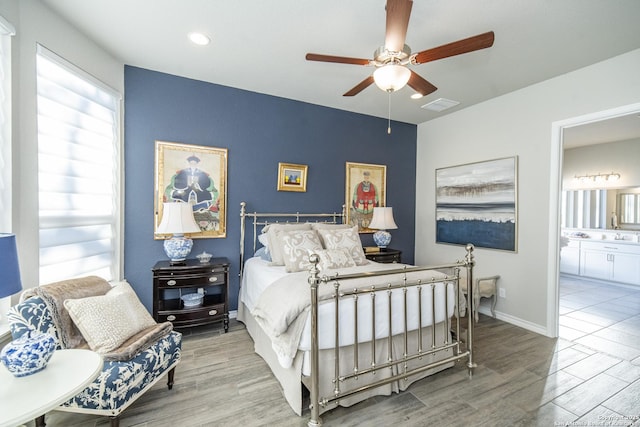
(26, 398)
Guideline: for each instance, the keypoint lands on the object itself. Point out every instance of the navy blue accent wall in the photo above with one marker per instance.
(259, 131)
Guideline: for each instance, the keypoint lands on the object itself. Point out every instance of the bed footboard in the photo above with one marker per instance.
(406, 353)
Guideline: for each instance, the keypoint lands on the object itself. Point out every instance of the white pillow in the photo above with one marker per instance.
(262, 238)
(328, 226)
(275, 246)
(121, 287)
(107, 321)
(348, 239)
(331, 259)
(296, 246)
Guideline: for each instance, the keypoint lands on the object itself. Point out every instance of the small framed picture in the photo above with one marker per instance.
(292, 177)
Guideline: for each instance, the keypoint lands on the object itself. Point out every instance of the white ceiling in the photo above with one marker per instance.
(621, 128)
(260, 45)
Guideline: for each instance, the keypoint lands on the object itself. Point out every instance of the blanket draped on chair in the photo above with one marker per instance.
(54, 295)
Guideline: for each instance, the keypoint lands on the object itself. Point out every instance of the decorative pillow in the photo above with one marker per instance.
(274, 243)
(262, 238)
(121, 287)
(263, 253)
(331, 259)
(296, 246)
(348, 239)
(107, 321)
(329, 226)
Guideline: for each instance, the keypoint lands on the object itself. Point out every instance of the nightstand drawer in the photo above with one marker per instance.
(385, 256)
(193, 316)
(190, 280)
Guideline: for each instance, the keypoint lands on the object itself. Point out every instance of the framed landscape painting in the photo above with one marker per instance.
(477, 203)
(292, 177)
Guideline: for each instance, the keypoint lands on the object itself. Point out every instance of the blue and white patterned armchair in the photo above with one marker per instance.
(152, 353)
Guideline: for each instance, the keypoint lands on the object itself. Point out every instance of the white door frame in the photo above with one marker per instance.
(555, 190)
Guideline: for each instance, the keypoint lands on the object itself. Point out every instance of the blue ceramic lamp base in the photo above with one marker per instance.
(382, 238)
(178, 248)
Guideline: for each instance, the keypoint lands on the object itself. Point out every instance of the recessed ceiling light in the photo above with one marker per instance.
(199, 39)
(440, 104)
(416, 96)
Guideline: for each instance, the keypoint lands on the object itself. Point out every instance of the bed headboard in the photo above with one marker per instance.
(260, 219)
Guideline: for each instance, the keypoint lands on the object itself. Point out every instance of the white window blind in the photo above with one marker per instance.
(78, 169)
(6, 31)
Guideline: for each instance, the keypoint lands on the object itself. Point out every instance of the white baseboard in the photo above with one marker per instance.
(533, 327)
(233, 314)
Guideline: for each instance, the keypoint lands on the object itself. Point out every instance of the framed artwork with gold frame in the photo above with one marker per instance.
(194, 174)
(292, 177)
(365, 188)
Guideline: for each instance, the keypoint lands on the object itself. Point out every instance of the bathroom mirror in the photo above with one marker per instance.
(629, 208)
(593, 208)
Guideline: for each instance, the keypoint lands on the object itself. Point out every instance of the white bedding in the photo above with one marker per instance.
(279, 302)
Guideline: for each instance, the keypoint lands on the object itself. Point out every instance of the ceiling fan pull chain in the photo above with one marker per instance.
(389, 119)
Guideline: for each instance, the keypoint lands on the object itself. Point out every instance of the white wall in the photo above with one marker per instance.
(621, 157)
(35, 23)
(517, 124)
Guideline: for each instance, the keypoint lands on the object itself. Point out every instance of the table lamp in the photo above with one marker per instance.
(10, 283)
(177, 219)
(382, 221)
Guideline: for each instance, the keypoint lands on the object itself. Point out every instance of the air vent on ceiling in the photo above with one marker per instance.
(440, 104)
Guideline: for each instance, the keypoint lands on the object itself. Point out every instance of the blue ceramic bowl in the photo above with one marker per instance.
(28, 354)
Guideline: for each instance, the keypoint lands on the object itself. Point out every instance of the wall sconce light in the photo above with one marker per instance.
(599, 177)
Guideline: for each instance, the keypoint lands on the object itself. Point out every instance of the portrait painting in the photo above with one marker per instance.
(365, 189)
(196, 175)
(476, 203)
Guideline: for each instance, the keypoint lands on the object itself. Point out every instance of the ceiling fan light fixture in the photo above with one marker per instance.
(391, 77)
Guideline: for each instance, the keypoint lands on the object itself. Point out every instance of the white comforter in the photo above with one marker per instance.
(280, 303)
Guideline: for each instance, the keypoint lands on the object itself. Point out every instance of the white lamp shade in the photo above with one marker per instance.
(391, 77)
(177, 218)
(383, 219)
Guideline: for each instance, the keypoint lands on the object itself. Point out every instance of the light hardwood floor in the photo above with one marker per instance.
(522, 379)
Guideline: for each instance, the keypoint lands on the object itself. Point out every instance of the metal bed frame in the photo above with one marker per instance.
(397, 366)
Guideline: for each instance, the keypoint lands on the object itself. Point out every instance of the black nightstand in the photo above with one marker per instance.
(386, 255)
(211, 279)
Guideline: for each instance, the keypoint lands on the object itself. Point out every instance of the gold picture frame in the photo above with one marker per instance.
(194, 174)
(292, 177)
(365, 188)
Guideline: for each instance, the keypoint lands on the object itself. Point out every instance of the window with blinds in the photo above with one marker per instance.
(78, 170)
(6, 31)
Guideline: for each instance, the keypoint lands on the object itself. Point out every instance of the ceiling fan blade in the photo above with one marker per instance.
(338, 59)
(481, 41)
(420, 85)
(360, 87)
(398, 13)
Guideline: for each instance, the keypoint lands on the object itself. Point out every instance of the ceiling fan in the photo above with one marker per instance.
(391, 60)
